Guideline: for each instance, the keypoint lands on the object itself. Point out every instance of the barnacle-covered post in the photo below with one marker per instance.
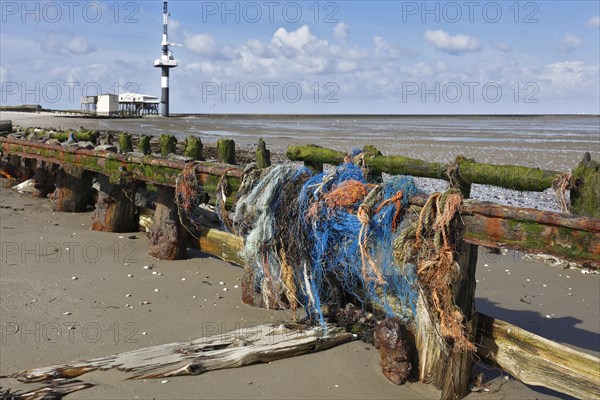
(167, 238)
(73, 189)
(115, 207)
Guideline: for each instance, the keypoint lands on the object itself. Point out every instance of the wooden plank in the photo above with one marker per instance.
(246, 346)
(537, 361)
(222, 245)
(136, 166)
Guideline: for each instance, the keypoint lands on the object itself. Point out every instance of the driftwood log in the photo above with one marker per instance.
(251, 345)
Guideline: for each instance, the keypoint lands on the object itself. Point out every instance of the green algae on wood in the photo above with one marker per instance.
(263, 156)
(193, 148)
(125, 142)
(168, 144)
(585, 196)
(226, 151)
(144, 145)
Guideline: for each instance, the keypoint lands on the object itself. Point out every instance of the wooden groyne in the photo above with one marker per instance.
(121, 173)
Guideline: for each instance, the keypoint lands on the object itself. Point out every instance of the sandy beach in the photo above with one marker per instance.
(70, 293)
(39, 295)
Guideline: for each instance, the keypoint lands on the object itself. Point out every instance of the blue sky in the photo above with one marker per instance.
(372, 57)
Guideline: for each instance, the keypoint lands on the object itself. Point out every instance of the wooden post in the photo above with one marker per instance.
(44, 179)
(73, 187)
(125, 143)
(263, 156)
(457, 374)
(193, 148)
(144, 145)
(115, 209)
(585, 196)
(167, 144)
(27, 169)
(226, 151)
(167, 238)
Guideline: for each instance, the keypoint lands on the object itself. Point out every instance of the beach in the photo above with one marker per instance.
(66, 292)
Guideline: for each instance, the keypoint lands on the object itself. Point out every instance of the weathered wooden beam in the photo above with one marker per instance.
(507, 176)
(537, 361)
(246, 346)
(156, 170)
(566, 236)
(221, 244)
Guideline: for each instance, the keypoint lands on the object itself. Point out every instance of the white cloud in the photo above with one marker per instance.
(594, 21)
(569, 43)
(341, 30)
(569, 75)
(456, 44)
(79, 46)
(383, 49)
(201, 43)
(295, 39)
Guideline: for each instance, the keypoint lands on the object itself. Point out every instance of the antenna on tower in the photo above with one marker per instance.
(165, 62)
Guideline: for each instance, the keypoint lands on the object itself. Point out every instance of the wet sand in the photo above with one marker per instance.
(37, 289)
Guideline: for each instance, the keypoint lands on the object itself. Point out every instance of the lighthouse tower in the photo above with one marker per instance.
(165, 63)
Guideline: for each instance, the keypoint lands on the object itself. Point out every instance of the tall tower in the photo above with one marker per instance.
(165, 63)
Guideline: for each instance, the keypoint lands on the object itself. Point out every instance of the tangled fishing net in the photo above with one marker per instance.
(321, 240)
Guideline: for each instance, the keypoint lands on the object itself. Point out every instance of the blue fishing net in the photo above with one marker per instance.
(327, 244)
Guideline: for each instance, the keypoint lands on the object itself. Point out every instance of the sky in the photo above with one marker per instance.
(309, 57)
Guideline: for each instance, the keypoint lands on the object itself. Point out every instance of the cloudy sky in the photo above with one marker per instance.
(367, 57)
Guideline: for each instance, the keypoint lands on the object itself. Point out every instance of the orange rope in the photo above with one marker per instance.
(397, 200)
(364, 216)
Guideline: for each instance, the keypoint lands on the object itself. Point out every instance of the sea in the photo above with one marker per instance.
(552, 142)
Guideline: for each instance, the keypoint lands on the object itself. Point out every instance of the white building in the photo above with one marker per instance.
(123, 104)
(108, 104)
